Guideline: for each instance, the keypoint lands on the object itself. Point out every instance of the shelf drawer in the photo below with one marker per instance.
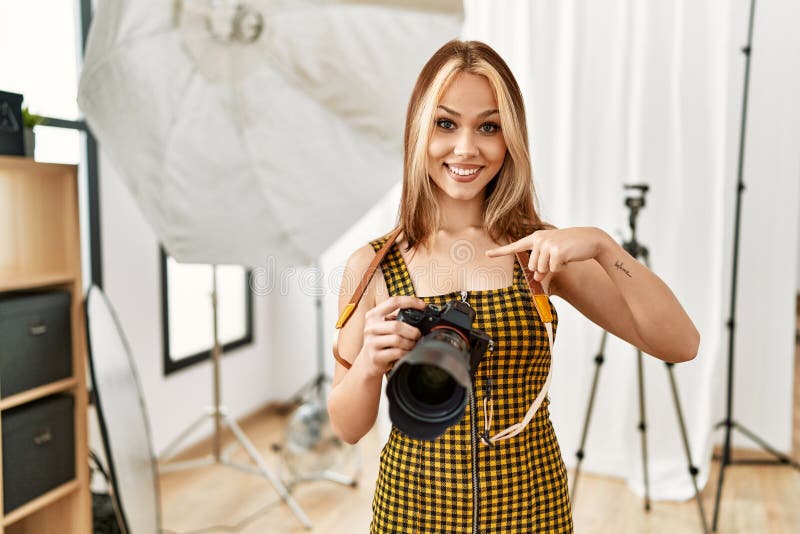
(38, 449)
(35, 340)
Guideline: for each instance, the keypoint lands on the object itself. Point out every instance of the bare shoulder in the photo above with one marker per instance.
(361, 257)
(355, 269)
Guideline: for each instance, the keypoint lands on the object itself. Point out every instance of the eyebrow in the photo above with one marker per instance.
(480, 115)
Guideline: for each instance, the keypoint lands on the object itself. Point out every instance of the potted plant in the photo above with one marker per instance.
(29, 122)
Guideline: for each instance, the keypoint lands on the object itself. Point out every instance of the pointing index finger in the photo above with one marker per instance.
(511, 248)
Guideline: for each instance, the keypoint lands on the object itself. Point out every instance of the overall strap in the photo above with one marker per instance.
(362, 286)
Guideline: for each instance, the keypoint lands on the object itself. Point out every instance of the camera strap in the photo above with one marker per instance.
(362, 286)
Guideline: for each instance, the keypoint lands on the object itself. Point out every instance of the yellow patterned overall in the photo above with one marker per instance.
(456, 484)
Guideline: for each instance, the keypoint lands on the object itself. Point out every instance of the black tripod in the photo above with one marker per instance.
(728, 422)
(638, 251)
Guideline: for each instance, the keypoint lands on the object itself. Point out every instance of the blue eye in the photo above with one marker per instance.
(489, 127)
(447, 124)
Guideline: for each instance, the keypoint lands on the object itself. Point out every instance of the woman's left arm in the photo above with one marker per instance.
(590, 270)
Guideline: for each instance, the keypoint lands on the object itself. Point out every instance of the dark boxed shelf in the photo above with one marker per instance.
(35, 340)
(38, 449)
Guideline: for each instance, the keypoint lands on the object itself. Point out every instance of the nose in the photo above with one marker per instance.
(465, 145)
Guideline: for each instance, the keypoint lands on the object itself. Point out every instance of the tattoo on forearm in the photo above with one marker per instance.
(618, 264)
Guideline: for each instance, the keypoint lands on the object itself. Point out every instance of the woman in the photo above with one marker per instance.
(467, 209)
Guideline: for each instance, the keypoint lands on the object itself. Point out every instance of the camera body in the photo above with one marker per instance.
(428, 388)
(455, 316)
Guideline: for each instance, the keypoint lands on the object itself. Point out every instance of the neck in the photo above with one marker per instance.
(457, 216)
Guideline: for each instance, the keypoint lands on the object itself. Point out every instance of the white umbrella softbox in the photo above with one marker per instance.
(259, 129)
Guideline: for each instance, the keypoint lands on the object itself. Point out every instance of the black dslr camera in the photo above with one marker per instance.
(429, 386)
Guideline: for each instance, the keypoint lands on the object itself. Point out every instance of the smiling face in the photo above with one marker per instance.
(467, 79)
(466, 149)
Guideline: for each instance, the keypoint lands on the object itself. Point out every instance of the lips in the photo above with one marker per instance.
(464, 178)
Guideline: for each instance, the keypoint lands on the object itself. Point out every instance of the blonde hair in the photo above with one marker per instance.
(509, 211)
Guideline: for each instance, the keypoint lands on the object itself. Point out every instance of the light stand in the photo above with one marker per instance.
(314, 394)
(316, 386)
(729, 423)
(639, 251)
(220, 417)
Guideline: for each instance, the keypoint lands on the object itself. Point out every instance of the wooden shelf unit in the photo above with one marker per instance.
(61, 386)
(40, 251)
(34, 282)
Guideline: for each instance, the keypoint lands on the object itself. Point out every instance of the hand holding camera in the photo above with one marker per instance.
(386, 341)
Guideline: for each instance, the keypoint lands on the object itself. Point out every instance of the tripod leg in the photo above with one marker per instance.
(171, 449)
(330, 476)
(643, 430)
(598, 360)
(781, 458)
(692, 468)
(256, 457)
(725, 460)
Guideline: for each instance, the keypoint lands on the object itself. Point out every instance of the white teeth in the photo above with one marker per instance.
(463, 172)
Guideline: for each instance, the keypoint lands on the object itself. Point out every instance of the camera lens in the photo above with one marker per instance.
(428, 387)
(430, 384)
(427, 396)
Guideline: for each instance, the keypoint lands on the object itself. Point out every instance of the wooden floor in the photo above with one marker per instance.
(220, 499)
(756, 500)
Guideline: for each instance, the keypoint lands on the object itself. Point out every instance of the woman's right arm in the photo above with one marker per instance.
(371, 344)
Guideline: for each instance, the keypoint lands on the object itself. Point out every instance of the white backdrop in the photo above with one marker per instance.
(621, 91)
